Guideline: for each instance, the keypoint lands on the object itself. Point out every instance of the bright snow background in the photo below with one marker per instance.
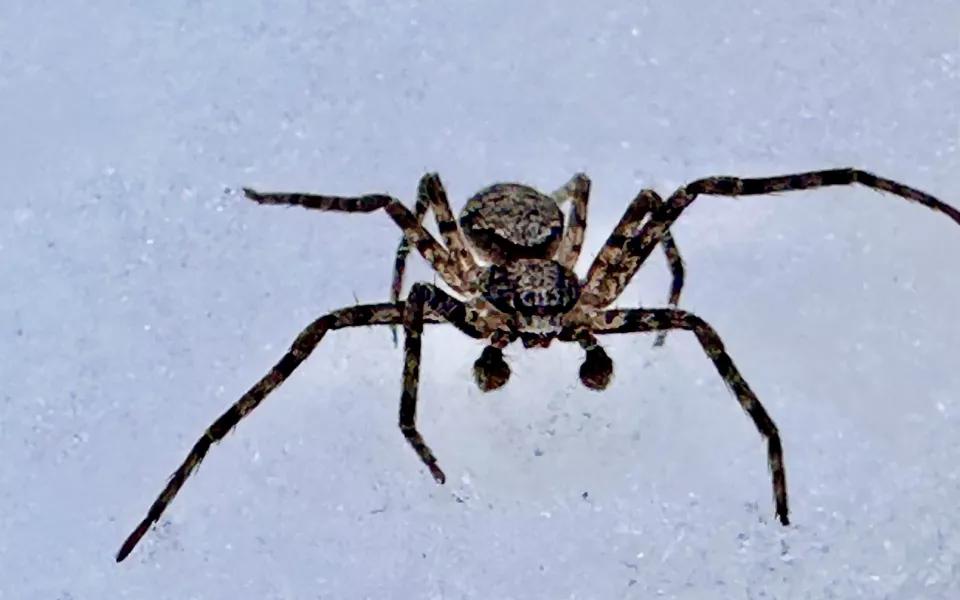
(139, 300)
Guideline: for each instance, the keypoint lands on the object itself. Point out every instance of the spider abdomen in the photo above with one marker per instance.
(532, 287)
(512, 220)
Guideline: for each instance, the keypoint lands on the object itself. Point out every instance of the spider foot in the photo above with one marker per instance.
(438, 474)
(490, 370)
(252, 194)
(423, 451)
(596, 372)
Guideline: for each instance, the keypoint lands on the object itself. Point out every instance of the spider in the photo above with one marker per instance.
(527, 291)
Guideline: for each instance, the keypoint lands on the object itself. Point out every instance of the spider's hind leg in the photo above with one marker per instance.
(431, 194)
(577, 190)
(614, 253)
(608, 278)
(414, 232)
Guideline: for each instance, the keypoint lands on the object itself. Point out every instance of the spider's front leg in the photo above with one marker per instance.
(439, 311)
(424, 296)
(655, 320)
(302, 347)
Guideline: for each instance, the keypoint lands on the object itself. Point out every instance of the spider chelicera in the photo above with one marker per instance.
(527, 290)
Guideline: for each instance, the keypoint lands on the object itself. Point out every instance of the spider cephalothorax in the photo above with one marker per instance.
(538, 292)
(528, 292)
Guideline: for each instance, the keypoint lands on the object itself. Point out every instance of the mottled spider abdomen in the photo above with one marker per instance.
(532, 287)
(512, 220)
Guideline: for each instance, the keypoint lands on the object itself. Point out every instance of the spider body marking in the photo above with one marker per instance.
(528, 292)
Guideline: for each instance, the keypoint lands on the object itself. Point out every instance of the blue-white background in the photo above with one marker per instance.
(138, 300)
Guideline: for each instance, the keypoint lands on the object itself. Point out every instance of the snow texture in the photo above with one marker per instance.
(140, 297)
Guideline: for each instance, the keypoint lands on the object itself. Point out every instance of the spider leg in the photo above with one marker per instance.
(675, 262)
(424, 296)
(303, 345)
(612, 279)
(613, 253)
(431, 194)
(403, 250)
(643, 320)
(577, 190)
(413, 230)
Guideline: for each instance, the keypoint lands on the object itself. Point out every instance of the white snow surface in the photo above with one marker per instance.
(141, 297)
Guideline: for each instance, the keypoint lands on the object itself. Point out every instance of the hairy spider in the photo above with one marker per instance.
(528, 291)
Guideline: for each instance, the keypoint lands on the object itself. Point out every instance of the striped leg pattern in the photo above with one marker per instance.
(439, 308)
(665, 319)
(612, 271)
(432, 195)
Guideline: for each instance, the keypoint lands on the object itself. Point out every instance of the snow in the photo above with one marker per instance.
(140, 299)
